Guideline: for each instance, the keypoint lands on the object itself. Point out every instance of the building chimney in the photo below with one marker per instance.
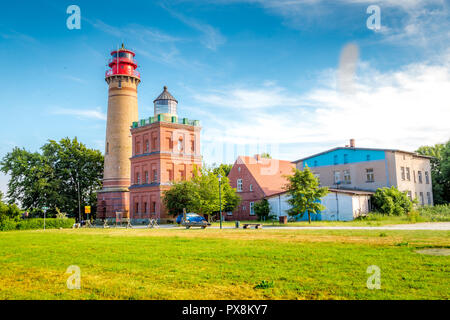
(352, 143)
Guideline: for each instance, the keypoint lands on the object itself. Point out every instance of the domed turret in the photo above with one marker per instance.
(165, 104)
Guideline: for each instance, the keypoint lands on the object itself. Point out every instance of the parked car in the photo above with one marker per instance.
(193, 220)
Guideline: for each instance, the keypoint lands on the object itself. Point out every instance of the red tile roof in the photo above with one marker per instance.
(268, 173)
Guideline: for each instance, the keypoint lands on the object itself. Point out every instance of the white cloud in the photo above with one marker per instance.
(212, 38)
(83, 113)
(257, 98)
(414, 22)
(403, 109)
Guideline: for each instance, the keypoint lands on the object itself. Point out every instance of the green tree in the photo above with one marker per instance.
(391, 201)
(78, 171)
(305, 193)
(30, 181)
(232, 198)
(201, 194)
(262, 209)
(8, 213)
(181, 195)
(440, 170)
(55, 178)
(266, 155)
(224, 168)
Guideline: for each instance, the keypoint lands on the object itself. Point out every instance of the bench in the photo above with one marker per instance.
(256, 225)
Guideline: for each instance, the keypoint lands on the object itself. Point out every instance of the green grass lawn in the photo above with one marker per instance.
(222, 264)
(372, 221)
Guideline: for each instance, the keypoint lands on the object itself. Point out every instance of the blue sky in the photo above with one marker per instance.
(259, 74)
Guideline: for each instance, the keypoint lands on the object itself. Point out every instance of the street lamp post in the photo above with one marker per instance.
(45, 212)
(79, 200)
(220, 199)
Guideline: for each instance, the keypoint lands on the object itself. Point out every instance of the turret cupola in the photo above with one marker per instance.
(165, 104)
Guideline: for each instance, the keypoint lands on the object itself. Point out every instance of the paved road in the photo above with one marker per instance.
(416, 226)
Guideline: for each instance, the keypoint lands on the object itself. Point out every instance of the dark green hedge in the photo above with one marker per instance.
(36, 223)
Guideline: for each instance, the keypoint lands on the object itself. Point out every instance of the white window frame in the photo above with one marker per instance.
(251, 187)
(370, 174)
(347, 174)
(252, 209)
(239, 185)
(336, 176)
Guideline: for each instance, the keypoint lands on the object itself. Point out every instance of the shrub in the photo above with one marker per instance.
(415, 216)
(36, 223)
(8, 224)
(262, 209)
(435, 213)
(392, 201)
(50, 223)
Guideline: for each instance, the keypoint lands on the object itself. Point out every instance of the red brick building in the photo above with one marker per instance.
(165, 149)
(254, 179)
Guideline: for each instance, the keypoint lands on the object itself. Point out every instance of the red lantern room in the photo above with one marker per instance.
(122, 63)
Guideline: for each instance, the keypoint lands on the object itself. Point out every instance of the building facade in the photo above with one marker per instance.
(340, 205)
(123, 80)
(254, 179)
(165, 149)
(369, 169)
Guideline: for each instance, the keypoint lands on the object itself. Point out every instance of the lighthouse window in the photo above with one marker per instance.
(120, 84)
(165, 106)
(125, 55)
(107, 147)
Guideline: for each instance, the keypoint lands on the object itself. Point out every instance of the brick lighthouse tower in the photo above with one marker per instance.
(123, 80)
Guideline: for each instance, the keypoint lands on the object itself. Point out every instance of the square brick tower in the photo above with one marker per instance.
(165, 149)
